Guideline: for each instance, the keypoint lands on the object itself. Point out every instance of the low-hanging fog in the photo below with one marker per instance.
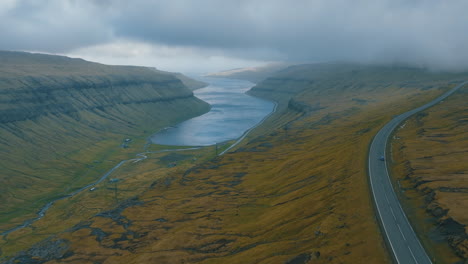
(210, 35)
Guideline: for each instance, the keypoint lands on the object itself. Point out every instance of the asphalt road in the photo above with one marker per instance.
(404, 244)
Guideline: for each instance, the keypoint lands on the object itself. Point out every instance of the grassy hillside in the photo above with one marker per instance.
(295, 191)
(430, 155)
(63, 122)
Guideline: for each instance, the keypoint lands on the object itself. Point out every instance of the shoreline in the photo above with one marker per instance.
(138, 157)
(244, 135)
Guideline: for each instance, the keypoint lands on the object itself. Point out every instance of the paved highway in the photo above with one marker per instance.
(404, 244)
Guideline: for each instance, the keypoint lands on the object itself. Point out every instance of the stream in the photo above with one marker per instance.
(233, 115)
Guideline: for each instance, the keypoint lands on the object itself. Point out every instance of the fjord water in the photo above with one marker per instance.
(232, 113)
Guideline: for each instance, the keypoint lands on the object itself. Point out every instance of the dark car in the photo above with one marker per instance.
(382, 158)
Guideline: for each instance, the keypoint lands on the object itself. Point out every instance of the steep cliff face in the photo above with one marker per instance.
(68, 96)
(61, 118)
(29, 89)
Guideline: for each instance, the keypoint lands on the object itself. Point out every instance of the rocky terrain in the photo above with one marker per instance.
(430, 155)
(63, 119)
(295, 191)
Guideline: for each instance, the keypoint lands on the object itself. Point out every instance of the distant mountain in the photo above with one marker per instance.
(323, 79)
(192, 84)
(253, 74)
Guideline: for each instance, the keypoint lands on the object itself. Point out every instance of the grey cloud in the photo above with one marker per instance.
(51, 25)
(428, 33)
(423, 33)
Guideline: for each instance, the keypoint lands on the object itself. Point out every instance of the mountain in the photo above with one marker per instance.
(63, 121)
(192, 84)
(253, 74)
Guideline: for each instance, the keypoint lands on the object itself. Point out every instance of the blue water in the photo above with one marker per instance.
(232, 113)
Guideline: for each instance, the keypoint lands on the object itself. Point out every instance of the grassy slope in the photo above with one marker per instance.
(297, 191)
(430, 164)
(65, 119)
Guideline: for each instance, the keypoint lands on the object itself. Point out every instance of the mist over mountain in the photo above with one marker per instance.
(216, 35)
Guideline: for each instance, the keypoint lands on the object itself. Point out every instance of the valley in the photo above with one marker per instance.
(294, 190)
(233, 132)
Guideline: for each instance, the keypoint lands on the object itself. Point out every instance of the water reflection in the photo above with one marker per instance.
(232, 113)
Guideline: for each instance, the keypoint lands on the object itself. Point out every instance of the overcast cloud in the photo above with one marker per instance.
(209, 35)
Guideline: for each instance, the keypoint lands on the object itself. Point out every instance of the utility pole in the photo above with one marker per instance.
(115, 191)
(114, 181)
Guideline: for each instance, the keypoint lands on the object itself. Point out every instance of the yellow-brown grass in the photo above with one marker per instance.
(298, 191)
(431, 165)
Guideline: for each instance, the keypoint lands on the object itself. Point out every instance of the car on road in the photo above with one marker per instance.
(382, 158)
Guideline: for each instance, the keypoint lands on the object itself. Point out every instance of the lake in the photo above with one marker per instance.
(232, 113)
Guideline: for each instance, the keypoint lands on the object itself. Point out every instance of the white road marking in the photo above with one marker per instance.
(401, 232)
(394, 217)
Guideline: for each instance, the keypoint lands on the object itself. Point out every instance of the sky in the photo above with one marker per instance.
(200, 36)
